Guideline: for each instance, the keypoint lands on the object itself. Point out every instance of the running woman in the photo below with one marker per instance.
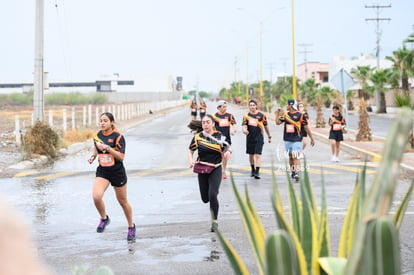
(337, 123)
(203, 108)
(226, 124)
(109, 146)
(293, 122)
(253, 125)
(211, 151)
(193, 108)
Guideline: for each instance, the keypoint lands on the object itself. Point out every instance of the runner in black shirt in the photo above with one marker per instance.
(226, 124)
(254, 123)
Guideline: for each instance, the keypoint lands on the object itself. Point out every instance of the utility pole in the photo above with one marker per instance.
(305, 57)
(378, 20)
(38, 83)
(261, 59)
(270, 66)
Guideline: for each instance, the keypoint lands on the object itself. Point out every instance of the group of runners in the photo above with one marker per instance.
(212, 140)
(213, 134)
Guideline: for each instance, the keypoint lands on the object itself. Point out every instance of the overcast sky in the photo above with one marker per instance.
(209, 43)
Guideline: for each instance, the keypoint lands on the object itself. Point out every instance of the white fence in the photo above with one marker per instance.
(76, 117)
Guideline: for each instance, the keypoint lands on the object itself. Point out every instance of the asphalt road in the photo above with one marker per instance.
(173, 225)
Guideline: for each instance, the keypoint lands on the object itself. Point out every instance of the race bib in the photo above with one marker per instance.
(290, 128)
(106, 160)
(253, 122)
(224, 122)
(337, 127)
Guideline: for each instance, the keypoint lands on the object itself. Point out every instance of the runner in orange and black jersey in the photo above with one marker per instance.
(253, 125)
(107, 163)
(208, 150)
(226, 124)
(337, 123)
(294, 122)
(211, 150)
(109, 146)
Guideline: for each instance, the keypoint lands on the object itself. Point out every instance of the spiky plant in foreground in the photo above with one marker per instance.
(369, 241)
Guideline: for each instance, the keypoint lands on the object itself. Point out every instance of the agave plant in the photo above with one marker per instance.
(368, 243)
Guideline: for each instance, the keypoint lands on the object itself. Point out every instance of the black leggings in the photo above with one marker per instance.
(209, 188)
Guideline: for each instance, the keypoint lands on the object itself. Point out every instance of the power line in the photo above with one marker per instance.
(378, 20)
(305, 57)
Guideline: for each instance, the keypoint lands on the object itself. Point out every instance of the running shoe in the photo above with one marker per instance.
(131, 233)
(257, 176)
(252, 173)
(224, 177)
(214, 226)
(296, 177)
(102, 224)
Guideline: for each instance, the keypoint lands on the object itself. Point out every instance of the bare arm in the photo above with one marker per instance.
(268, 133)
(277, 116)
(308, 131)
(190, 158)
(93, 156)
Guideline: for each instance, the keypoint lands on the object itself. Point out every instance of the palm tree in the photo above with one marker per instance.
(403, 66)
(380, 78)
(307, 90)
(362, 75)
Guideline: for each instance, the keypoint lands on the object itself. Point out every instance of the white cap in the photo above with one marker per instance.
(221, 103)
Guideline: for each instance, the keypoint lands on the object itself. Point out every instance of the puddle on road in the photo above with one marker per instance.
(176, 249)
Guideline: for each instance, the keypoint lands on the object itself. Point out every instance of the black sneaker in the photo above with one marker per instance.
(214, 226)
(296, 177)
(253, 173)
(102, 224)
(257, 176)
(131, 233)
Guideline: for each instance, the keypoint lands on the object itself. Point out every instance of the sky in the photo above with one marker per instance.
(209, 43)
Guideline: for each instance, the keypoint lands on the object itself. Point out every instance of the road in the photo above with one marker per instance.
(173, 224)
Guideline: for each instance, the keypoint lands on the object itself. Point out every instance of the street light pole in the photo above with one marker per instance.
(261, 58)
(293, 52)
(247, 73)
(38, 102)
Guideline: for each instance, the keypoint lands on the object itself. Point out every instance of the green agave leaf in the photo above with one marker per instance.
(306, 183)
(379, 198)
(295, 207)
(253, 230)
(381, 254)
(309, 237)
(348, 226)
(399, 214)
(236, 262)
(256, 216)
(281, 255)
(324, 236)
(332, 265)
(284, 225)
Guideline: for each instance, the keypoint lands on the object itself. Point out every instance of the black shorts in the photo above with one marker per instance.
(254, 147)
(336, 135)
(194, 113)
(117, 178)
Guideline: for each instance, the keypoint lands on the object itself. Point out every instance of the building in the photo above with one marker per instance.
(316, 70)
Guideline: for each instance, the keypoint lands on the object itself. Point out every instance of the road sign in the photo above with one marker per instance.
(342, 81)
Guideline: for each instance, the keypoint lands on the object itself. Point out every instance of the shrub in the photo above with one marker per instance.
(40, 139)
